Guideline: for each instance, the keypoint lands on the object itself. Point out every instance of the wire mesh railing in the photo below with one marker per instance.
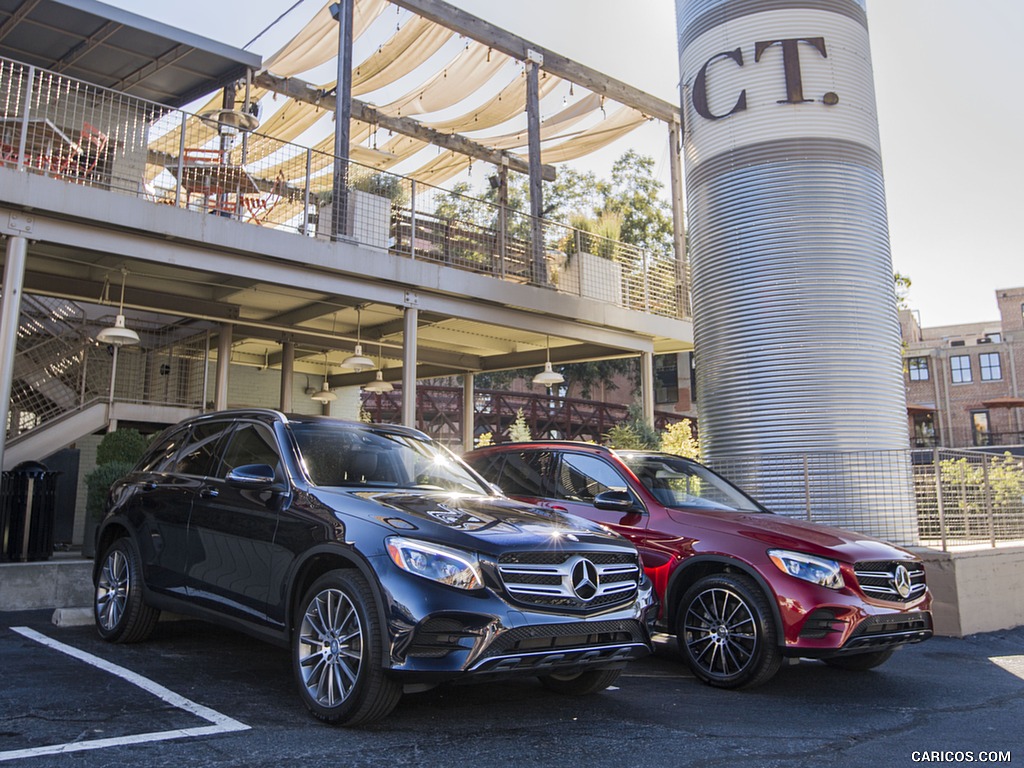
(83, 134)
(943, 499)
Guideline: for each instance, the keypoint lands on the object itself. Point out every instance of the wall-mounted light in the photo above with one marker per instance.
(548, 377)
(118, 334)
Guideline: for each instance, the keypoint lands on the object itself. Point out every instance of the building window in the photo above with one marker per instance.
(924, 430)
(918, 368)
(980, 428)
(994, 337)
(666, 379)
(991, 370)
(960, 368)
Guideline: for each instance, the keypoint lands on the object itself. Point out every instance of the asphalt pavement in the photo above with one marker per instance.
(196, 695)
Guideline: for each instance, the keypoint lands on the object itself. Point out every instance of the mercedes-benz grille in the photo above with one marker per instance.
(581, 580)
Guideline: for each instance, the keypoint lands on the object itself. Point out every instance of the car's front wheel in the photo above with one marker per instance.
(118, 608)
(336, 652)
(860, 661)
(726, 632)
(580, 683)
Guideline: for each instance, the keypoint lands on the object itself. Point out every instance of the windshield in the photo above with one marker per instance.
(344, 455)
(676, 482)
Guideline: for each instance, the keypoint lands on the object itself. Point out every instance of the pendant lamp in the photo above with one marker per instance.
(118, 334)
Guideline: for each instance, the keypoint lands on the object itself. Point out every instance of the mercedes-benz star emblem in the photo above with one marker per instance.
(901, 580)
(584, 579)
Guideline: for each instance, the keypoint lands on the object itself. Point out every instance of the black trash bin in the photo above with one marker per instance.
(27, 498)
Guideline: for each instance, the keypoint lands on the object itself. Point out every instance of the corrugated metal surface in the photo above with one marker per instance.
(795, 324)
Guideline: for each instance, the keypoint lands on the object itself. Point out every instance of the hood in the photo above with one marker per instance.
(781, 532)
(484, 523)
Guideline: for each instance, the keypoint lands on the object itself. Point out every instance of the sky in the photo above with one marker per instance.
(947, 79)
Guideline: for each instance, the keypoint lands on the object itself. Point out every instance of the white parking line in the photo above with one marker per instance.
(219, 723)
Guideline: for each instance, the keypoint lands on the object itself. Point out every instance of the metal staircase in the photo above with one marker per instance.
(66, 385)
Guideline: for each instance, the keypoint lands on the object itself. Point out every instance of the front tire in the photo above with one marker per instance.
(580, 683)
(860, 662)
(336, 652)
(726, 632)
(120, 613)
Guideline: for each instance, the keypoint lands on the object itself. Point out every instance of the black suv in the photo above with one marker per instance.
(377, 555)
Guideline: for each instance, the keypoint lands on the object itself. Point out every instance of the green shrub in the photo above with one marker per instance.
(116, 454)
(122, 445)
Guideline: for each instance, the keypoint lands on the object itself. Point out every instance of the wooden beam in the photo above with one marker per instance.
(300, 90)
(471, 26)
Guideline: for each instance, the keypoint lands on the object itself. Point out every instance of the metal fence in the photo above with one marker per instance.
(954, 499)
(84, 134)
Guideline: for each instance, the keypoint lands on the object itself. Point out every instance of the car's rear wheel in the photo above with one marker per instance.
(121, 614)
(336, 652)
(726, 632)
(861, 661)
(581, 683)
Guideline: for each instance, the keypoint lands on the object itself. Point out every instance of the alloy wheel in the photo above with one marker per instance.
(112, 588)
(330, 648)
(720, 632)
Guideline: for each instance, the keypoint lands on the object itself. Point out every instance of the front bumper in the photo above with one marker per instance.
(437, 633)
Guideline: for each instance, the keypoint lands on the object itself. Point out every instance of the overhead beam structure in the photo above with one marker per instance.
(300, 90)
(519, 48)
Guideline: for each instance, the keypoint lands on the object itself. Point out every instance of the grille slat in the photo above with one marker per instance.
(877, 579)
(546, 578)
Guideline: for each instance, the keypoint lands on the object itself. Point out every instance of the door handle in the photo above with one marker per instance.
(557, 507)
(209, 493)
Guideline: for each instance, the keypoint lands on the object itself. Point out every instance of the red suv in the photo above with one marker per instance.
(740, 587)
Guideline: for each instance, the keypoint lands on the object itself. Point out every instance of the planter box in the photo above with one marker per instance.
(369, 219)
(592, 277)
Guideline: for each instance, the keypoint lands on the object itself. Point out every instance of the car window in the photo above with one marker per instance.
(250, 444)
(160, 457)
(581, 478)
(343, 455)
(198, 455)
(679, 483)
(524, 473)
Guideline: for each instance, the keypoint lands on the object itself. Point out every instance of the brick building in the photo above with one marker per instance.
(963, 382)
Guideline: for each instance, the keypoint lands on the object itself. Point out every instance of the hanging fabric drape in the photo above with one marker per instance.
(462, 76)
(407, 49)
(317, 42)
(503, 106)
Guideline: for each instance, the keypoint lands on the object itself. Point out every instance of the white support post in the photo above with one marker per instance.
(223, 363)
(10, 311)
(409, 367)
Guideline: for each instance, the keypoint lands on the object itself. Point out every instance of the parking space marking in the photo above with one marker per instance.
(218, 723)
(1012, 664)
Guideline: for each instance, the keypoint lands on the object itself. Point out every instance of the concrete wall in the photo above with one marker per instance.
(975, 591)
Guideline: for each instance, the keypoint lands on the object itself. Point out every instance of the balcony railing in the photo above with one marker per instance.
(83, 134)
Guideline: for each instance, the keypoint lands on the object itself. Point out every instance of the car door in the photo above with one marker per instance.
(164, 489)
(232, 526)
(576, 481)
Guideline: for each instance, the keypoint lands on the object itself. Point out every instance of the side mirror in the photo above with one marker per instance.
(616, 501)
(252, 476)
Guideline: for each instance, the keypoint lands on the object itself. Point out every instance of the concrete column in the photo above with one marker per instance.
(10, 312)
(468, 413)
(647, 387)
(409, 367)
(287, 374)
(223, 364)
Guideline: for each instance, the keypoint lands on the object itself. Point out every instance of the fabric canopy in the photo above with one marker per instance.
(317, 42)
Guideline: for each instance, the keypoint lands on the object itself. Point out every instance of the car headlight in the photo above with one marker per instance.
(432, 561)
(816, 570)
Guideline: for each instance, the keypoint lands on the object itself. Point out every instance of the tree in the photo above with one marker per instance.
(519, 432)
(902, 290)
(635, 195)
(678, 438)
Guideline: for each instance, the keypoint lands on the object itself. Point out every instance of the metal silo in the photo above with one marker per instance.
(795, 325)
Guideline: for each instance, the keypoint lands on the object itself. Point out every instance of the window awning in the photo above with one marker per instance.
(1004, 402)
